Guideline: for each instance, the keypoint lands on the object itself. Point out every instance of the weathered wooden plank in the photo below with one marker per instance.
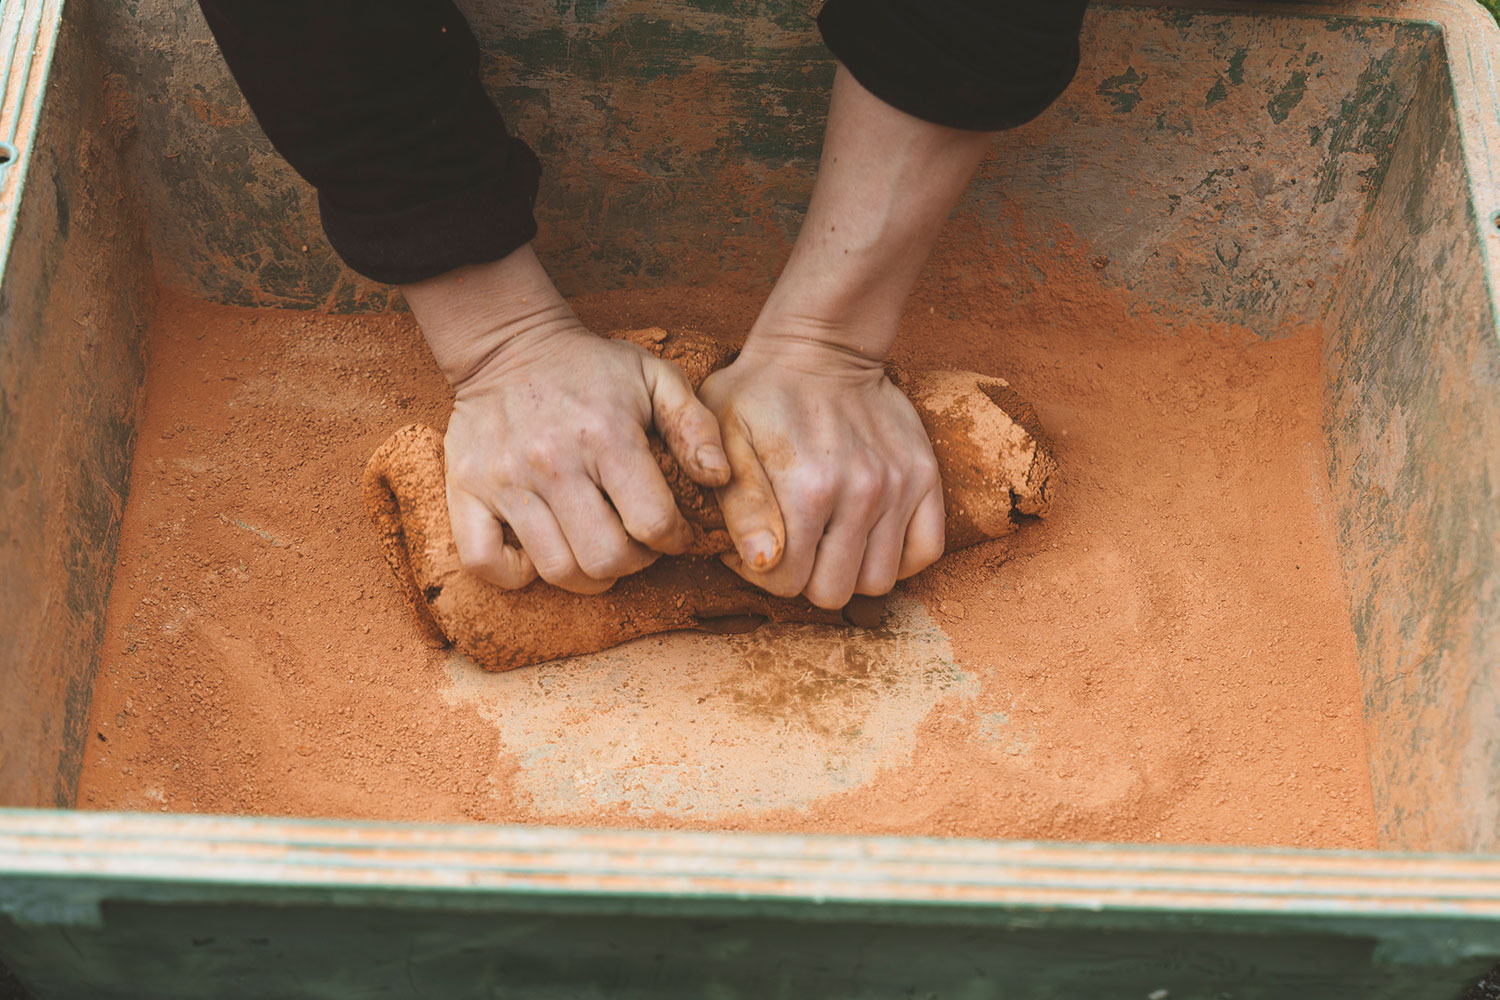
(108, 905)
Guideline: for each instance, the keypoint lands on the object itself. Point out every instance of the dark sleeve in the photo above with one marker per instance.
(379, 105)
(970, 64)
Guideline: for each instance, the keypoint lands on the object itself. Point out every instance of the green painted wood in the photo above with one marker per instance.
(369, 950)
(116, 905)
(1174, 154)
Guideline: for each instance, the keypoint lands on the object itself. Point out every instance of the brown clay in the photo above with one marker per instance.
(995, 465)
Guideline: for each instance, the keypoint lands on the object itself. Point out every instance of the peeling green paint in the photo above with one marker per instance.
(1237, 66)
(1124, 90)
(1368, 118)
(1413, 359)
(1288, 97)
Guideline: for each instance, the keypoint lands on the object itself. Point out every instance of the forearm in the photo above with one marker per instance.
(885, 186)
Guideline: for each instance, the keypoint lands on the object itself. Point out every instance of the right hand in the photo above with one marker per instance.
(835, 489)
(548, 435)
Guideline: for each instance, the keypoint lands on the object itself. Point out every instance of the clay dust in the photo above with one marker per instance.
(1166, 657)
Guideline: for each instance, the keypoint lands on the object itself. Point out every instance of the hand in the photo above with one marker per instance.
(548, 433)
(834, 488)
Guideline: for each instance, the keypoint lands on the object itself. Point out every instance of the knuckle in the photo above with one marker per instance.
(589, 585)
(555, 569)
(487, 566)
(817, 490)
(935, 543)
(656, 526)
(925, 553)
(880, 576)
(506, 472)
(473, 545)
(606, 559)
(866, 485)
(506, 581)
(697, 422)
(542, 456)
(782, 589)
(827, 597)
(780, 584)
(472, 559)
(595, 431)
(580, 584)
(925, 471)
(463, 469)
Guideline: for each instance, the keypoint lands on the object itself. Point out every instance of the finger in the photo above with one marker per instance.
(882, 563)
(748, 502)
(542, 537)
(924, 534)
(840, 555)
(594, 532)
(640, 494)
(808, 502)
(480, 539)
(687, 426)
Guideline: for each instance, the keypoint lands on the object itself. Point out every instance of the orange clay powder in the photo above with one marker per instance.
(1165, 657)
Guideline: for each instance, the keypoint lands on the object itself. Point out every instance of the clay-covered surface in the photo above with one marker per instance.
(1165, 656)
(72, 318)
(1412, 419)
(1210, 154)
(996, 470)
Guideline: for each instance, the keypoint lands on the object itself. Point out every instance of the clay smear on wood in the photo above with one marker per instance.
(994, 461)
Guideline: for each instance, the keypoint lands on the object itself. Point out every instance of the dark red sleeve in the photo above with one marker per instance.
(379, 105)
(970, 64)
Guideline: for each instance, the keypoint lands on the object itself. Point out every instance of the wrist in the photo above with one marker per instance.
(801, 319)
(475, 316)
(812, 348)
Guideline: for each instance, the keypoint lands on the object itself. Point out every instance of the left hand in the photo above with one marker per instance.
(834, 489)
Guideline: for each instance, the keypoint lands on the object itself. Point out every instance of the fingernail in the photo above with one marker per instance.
(710, 458)
(759, 549)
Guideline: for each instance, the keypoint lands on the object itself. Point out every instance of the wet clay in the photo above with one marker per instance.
(994, 463)
(1165, 657)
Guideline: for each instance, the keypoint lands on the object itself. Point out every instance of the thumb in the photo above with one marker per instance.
(748, 502)
(686, 425)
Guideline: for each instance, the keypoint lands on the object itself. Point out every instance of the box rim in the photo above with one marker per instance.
(123, 850)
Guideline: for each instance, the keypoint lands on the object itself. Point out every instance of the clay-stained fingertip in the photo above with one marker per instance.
(760, 550)
(711, 466)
